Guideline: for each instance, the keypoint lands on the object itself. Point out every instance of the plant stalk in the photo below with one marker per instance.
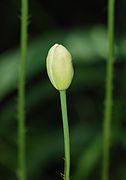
(21, 92)
(109, 93)
(66, 135)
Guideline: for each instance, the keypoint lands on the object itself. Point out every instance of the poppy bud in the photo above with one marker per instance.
(59, 67)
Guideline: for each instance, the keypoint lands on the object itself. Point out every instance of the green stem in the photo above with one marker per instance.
(21, 91)
(66, 135)
(109, 94)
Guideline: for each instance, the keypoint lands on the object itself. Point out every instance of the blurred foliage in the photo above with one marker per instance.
(88, 46)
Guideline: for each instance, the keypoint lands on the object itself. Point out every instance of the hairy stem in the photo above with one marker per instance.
(21, 91)
(109, 94)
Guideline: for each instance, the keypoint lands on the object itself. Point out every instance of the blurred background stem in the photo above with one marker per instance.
(21, 95)
(66, 134)
(109, 94)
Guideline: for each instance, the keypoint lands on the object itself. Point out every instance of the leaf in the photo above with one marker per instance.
(88, 159)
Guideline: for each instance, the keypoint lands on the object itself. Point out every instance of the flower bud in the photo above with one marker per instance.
(59, 67)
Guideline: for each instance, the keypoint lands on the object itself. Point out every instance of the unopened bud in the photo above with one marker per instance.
(59, 67)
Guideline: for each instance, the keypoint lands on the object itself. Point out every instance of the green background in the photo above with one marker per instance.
(82, 28)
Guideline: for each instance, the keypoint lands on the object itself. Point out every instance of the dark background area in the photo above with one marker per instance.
(82, 27)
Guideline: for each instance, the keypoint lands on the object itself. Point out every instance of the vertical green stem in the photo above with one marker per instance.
(66, 135)
(109, 89)
(21, 91)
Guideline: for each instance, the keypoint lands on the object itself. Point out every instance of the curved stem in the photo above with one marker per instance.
(21, 92)
(66, 135)
(109, 88)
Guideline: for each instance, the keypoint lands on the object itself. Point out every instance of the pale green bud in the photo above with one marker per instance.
(59, 67)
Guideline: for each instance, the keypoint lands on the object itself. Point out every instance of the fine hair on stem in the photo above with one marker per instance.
(108, 93)
(21, 93)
